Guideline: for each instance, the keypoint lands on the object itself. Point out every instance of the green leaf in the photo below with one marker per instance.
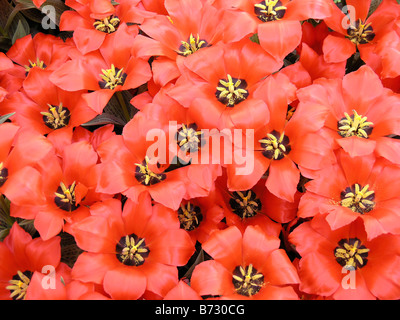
(103, 119)
(19, 7)
(19, 33)
(200, 258)
(5, 117)
(254, 38)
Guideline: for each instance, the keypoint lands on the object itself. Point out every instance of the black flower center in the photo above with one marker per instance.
(351, 254)
(111, 78)
(132, 250)
(247, 281)
(245, 204)
(19, 284)
(189, 138)
(107, 25)
(145, 176)
(3, 174)
(354, 125)
(65, 197)
(360, 33)
(56, 117)
(191, 45)
(231, 91)
(358, 199)
(269, 10)
(275, 145)
(38, 63)
(189, 216)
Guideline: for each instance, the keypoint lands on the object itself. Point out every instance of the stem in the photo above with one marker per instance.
(123, 105)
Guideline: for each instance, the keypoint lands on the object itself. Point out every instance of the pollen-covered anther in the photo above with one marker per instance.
(189, 138)
(269, 10)
(351, 254)
(247, 281)
(231, 91)
(145, 176)
(189, 216)
(132, 250)
(191, 45)
(354, 125)
(275, 145)
(56, 117)
(360, 33)
(65, 197)
(107, 25)
(19, 285)
(358, 199)
(111, 78)
(3, 174)
(38, 63)
(245, 204)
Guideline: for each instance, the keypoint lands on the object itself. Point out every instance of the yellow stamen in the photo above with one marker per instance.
(360, 33)
(38, 63)
(190, 47)
(360, 200)
(269, 10)
(356, 125)
(145, 175)
(112, 78)
(231, 92)
(19, 287)
(107, 25)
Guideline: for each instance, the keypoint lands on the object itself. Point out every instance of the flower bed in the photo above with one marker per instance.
(200, 150)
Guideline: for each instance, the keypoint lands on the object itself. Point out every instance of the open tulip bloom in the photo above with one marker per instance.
(200, 150)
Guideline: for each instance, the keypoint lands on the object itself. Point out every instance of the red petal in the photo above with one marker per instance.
(257, 245)
(38, 3)
(88, 40)
(160, 278)
(283, 179)
(125, 283)
(94, 234)
(337, 48)
(170, 193)
(361, 8)
(91, 267)
(305, 9)
(278, 269)
(182, 291)
(319, 275)
(361, 88)
(164, 70)
(225, 246)
(37, 291)
(73, 76)
(16, 242)
(5, 62)
(172, 247)
(48, 223)
(357, 147)
(360, 290)
(24, 188)
(42, 253)
(279, 38)
(212, 278)
(97, 100)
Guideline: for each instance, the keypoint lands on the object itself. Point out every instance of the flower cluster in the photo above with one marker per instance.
(203, 149)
